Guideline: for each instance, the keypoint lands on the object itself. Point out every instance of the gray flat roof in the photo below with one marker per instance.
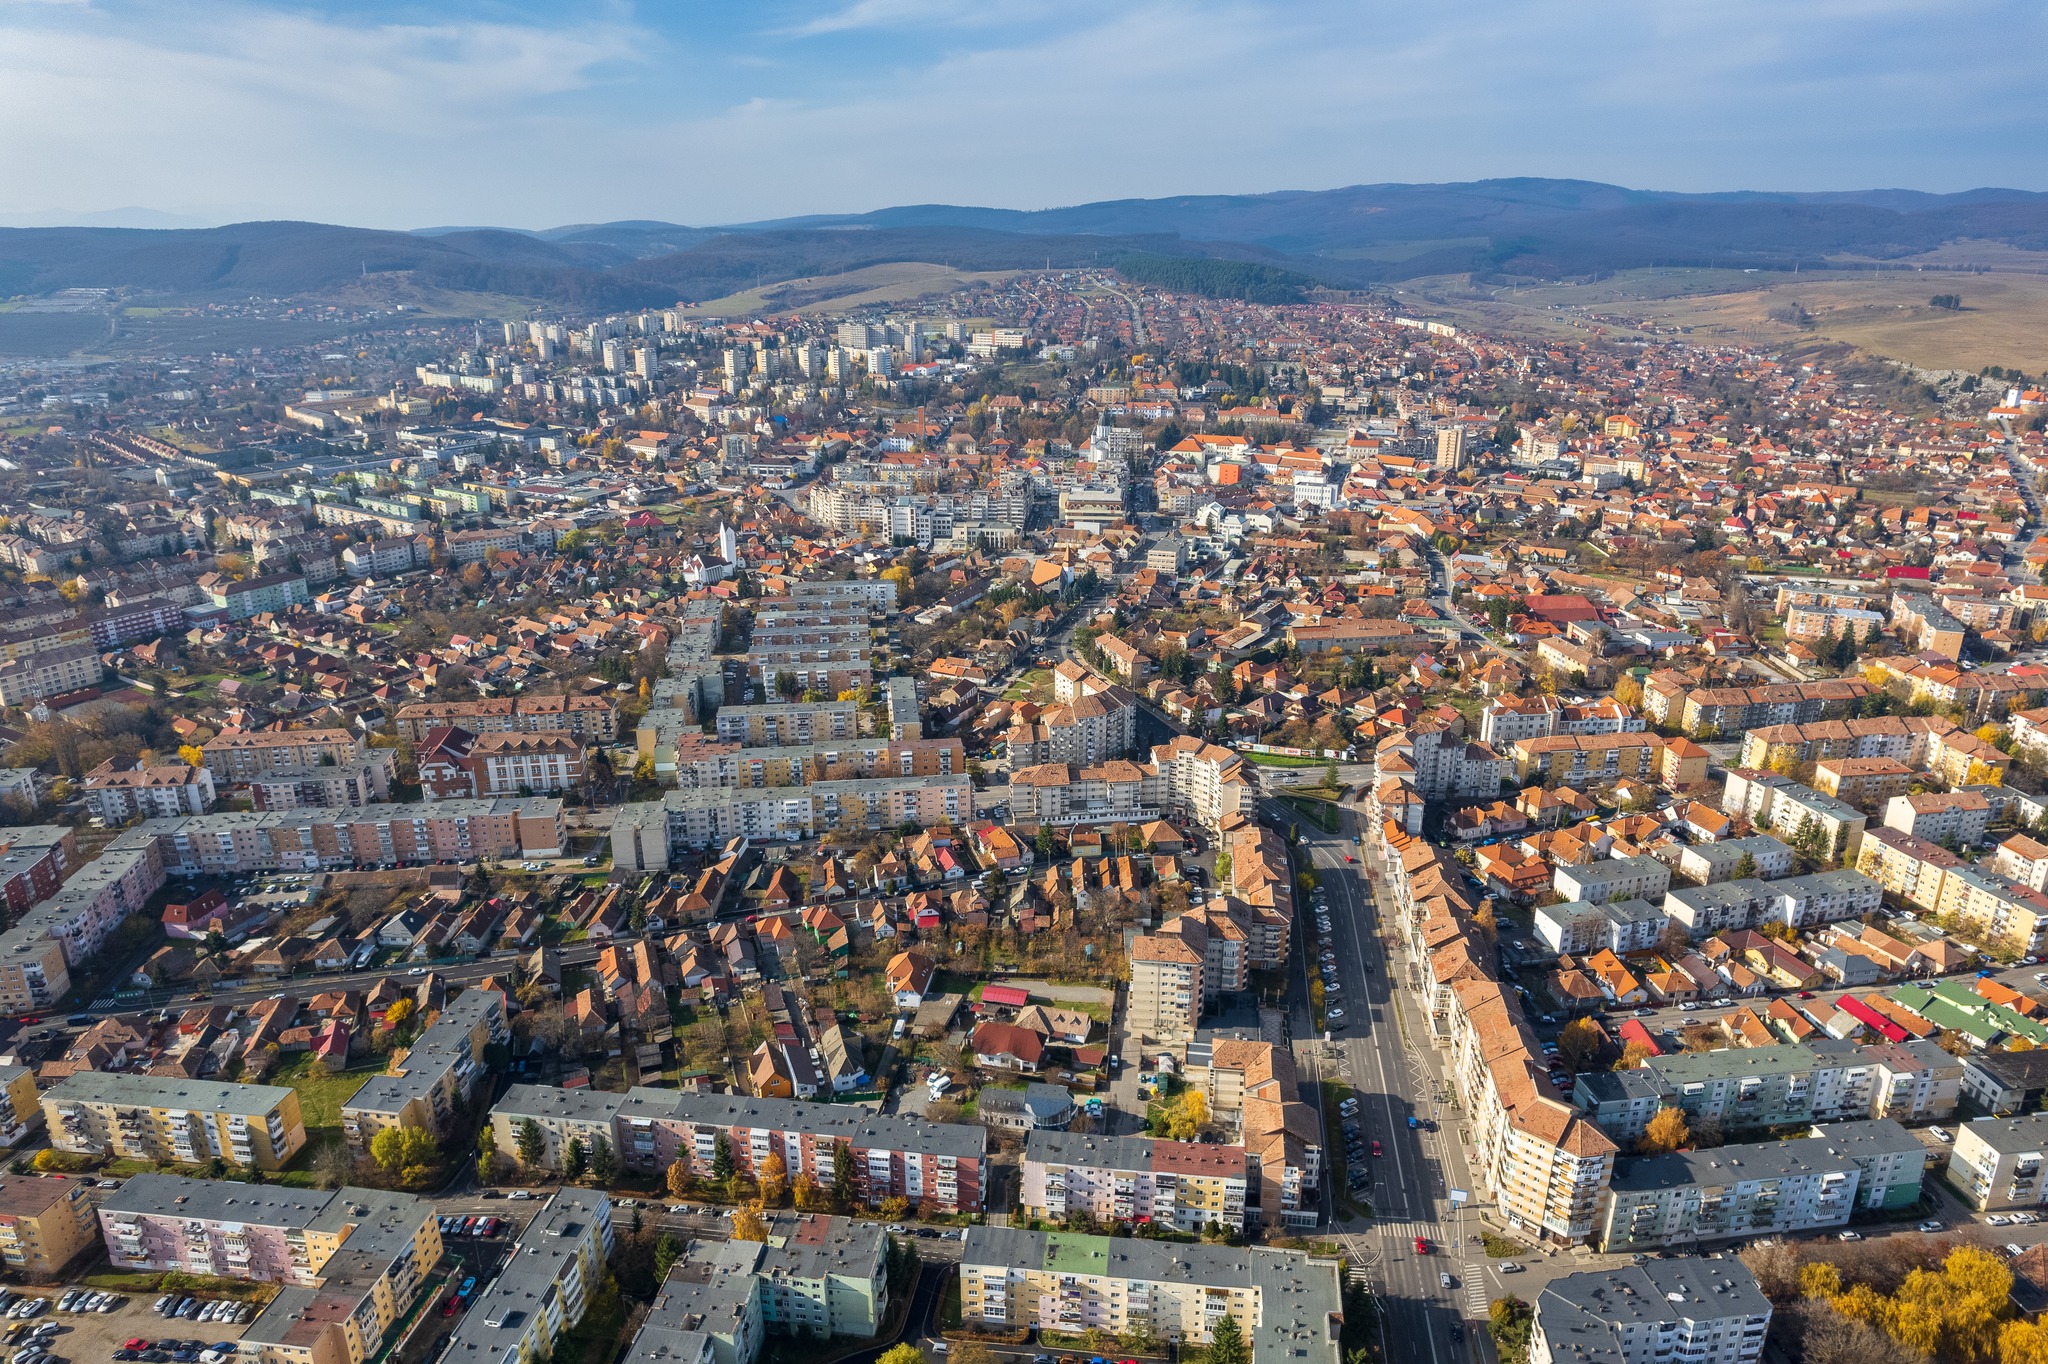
(891, 1132)
(505, 1309)
(1579, 1314)
(159, 1091)
(1725, 1165)
(1299, 1299)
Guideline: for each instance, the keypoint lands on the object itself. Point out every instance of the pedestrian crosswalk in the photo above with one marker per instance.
(1475, 1292)
(1430, 1231)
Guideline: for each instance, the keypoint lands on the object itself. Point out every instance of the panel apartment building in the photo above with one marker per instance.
(1677, 1311)
(814, 1276)
(647, 834)
(545, 1287)
(45, 1224)
(776, 723)
(1186, 1185)
(938, 1166)
(590, 719)
(1286, 1303)
(1802, 1185)
(236, 756)
(435, 1079)
(161, 1118)
(263, 1232)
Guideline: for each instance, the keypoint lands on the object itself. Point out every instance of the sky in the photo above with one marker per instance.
(704, 112)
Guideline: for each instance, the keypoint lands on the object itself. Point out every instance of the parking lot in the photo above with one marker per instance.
(96, 1337)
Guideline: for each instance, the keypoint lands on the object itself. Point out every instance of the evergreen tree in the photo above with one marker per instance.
(604, 1162)
(721, 1160)
(1226, 1343)
(533, 1144)
(844, 1190)
(572, 1159)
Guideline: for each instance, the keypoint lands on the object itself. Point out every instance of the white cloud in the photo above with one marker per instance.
(249, 111)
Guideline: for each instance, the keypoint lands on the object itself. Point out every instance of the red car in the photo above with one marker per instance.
(1349, 858)
(1375, 1150)
(448, 1307)
(1422, 1245)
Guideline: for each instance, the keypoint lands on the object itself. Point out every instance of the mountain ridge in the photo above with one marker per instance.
(1352, 237)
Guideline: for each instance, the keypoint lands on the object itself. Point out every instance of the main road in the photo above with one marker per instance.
(1382, 1054)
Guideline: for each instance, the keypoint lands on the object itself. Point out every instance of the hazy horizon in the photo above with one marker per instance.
(515, 114)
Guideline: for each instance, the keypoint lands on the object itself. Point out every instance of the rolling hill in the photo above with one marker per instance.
(1348, 238)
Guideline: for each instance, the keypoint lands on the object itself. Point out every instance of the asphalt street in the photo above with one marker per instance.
(1410, 1194)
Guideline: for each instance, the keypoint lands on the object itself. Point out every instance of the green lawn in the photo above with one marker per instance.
(1037, 682)
(320, 1100)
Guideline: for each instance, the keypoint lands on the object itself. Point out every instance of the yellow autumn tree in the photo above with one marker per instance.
(773, 1179)
(748, 1224)
(900, 576)
(2022, 1342)
(192, 755)
(1956, 1312)
(1666, 1132)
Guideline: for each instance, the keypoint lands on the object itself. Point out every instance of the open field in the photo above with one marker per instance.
(893, 283)
(2003, 321)
(46, 335)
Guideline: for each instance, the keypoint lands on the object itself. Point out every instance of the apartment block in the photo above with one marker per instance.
(235, 756)
(1866, 783)
(1620, 926)
(936, 1165)
(366, 781)
(1733, 710)
(45, 1224)
(1775, 1187)
(430, 1086)
(1534, 1152)
(645, 834)
(1579, 760)
(159, 1118)
(1205, 781)
(51, 672)
(1792, 811)
(361, 1255)
(1285, 1302)
(1099, 724)
(1904, 738)
(1621, 1102)
(1615, 878)
(1995, 907)
(1996, 1163)
(795, 722)
(1186, 1185)
(1776, 1086)
(1956, 818)
(1708, 863)
(1167, 986)
(118, 791)
(545, 1287)
(590, 719)
(1676, 1311)
(814, 1276)
(1911, 868)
